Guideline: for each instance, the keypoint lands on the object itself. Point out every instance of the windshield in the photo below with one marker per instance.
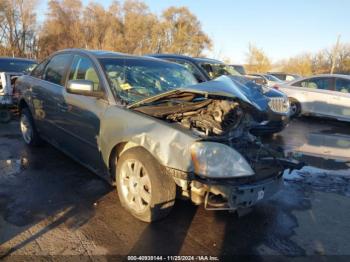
(136, 79)
(19, 66)
(216, 70)
(273, 78)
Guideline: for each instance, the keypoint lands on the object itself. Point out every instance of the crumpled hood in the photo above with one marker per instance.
(226, 86)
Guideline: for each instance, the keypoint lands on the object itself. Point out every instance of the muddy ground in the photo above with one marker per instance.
(51, 207)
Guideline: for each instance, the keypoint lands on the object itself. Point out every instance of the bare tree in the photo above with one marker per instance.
(18, 27)
(334, 54)
(257, 60)
(63, 27)
(182, 33)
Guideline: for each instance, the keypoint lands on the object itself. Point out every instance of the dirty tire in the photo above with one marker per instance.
(162, 186)
(295, 108)
(32, 138)
(5, 116)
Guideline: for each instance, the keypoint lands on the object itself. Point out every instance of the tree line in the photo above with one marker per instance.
(128, 27)
(329, 60)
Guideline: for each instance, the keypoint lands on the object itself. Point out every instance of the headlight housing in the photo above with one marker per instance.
(215, 160)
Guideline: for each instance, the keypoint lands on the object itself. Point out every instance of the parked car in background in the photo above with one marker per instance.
(18, 65)
(10, 69)
(147, 126)
(269, 80)
(284, 76)
(320, 95)
(239, 68)
(204, 69)
(274, 102)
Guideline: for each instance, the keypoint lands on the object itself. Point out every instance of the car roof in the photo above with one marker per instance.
(281, 73)
(170, 56)
(188, 58)
(330, 75)
(326, 75)
(101, 53)
(17, 59)
(259, 74)
(208, 60)
(319, 75)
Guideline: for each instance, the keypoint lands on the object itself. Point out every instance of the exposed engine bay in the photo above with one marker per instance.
(205, 116)
(220, 119)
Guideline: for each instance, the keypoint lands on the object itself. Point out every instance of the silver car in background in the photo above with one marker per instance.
(320, 95)
(268, 80)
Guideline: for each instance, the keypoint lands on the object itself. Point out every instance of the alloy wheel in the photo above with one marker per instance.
(135, 185)
(26, 129)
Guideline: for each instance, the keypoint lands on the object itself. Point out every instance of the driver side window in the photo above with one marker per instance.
(83, 69)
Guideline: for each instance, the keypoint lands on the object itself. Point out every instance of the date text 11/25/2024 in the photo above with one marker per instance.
(173, 258)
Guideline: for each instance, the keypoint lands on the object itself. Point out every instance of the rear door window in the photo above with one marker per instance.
(342, 85)
(56, 69)
(323, 83)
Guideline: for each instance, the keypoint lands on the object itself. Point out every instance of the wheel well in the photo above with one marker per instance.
(295, 100)
(116, 153)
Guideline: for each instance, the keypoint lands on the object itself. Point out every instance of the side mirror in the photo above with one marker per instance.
(83, 87)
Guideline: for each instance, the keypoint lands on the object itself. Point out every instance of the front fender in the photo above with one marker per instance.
(168, 143)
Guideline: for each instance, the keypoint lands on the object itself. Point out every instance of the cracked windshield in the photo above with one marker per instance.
(135, 80)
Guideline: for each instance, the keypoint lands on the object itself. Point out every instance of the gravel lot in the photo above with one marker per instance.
(51, 206)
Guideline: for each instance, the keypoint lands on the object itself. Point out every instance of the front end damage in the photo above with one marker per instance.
(235, 194)
(221, 119)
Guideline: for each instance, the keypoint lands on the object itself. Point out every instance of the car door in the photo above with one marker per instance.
(321, 91)
(341, 98)
(81, 115)
(313, 94)
(47, 94)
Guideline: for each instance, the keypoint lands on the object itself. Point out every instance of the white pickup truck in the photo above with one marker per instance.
(7, 98)
(10, 69)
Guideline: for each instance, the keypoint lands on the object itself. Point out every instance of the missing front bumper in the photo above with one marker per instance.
(240, 197)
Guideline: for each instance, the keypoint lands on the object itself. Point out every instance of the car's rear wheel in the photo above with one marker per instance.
(143, 187)
(28, 130)
(295, 107)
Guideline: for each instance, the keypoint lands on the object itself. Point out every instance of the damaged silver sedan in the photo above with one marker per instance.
(149, 128)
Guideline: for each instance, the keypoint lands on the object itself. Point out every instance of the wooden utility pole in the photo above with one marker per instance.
(335, 53)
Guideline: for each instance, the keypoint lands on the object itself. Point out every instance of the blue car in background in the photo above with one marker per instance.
(274, 105)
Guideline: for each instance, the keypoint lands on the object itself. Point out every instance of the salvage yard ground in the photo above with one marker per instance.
(50, 205)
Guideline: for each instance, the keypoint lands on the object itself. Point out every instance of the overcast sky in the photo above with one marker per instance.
(281, 28)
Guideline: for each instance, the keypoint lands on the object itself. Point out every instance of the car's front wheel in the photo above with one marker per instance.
(28, 130)
(295, 108)
(144, 189)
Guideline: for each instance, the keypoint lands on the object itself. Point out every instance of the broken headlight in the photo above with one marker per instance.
(215, 160)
